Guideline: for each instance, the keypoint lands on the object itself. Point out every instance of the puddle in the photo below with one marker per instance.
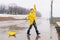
(36, 38)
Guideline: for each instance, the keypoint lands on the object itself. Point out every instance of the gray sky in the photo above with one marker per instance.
(42, 5)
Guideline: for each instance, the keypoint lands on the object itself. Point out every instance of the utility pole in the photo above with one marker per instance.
(51, 19)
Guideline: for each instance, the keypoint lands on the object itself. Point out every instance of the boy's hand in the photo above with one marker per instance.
(26, 18)
(34, 5)
(35, 8)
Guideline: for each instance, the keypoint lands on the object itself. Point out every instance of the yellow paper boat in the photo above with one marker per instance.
(12, 34)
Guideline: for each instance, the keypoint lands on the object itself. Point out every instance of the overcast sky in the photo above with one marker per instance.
(43, 6)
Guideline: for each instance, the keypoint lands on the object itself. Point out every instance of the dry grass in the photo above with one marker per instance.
(6, 18)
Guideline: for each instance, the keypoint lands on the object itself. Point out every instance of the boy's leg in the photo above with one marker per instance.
(28, 32)
(36, 28)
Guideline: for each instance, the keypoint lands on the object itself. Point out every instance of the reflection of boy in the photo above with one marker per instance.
(32, 17)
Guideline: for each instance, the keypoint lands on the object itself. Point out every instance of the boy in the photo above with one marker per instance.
(32, 18)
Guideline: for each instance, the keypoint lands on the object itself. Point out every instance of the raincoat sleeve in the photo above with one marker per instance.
(28, 16)
(35, 8)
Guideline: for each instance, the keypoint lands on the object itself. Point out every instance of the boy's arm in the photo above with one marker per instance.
(28, 16)
(35, 8)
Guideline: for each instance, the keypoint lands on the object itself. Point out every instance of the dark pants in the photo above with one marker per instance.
(34, 24)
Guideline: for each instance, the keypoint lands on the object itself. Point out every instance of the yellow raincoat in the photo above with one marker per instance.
(32, 16)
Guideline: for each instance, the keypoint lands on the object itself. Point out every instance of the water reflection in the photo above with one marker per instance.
(37, 37)
(12, 36)
(13, 27)
(28, 37)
